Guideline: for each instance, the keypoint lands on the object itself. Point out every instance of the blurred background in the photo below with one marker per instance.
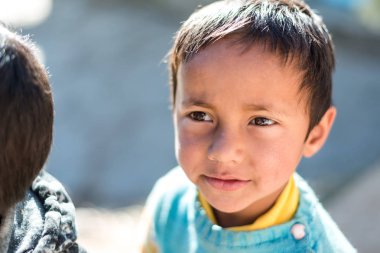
(113, 131)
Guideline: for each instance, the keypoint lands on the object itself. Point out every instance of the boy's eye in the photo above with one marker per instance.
(261, 121)
(200, 116)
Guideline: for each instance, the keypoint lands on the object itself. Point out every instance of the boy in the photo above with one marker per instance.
(36, 214)
(251, 94)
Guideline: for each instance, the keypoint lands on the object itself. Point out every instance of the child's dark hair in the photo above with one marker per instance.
(289, 28)
(26, 117)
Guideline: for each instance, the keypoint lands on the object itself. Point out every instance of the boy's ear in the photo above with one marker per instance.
(319, 133)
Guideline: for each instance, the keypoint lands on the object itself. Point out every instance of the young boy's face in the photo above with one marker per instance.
(241, 123)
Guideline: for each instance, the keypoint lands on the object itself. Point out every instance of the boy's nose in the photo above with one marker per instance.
(226, 148)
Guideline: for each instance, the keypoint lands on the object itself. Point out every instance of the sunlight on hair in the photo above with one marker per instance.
(25, 13)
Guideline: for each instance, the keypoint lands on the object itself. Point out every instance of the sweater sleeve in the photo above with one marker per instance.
(153, 222)
(147, 227)
(147, 243)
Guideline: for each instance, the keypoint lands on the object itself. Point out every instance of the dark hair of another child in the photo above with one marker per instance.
(26, 117)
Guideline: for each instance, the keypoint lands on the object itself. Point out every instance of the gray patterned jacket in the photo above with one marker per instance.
(43, 222)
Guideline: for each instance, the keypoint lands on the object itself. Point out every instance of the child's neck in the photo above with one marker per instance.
(249, 215)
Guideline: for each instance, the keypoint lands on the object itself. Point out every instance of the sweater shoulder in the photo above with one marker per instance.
(324, 232)
(168, 192)
(165, 210)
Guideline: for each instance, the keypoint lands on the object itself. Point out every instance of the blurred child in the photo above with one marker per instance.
(36, 214)
(251, 95)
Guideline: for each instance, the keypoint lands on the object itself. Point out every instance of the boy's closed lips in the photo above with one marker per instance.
(226, 184)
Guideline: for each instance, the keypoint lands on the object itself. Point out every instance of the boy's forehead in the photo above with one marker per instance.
(234, 47)
(226, 56)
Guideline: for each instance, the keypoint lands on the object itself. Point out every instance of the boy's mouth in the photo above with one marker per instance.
(226, 184)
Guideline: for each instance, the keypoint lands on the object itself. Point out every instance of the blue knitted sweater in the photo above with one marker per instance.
(180, 224)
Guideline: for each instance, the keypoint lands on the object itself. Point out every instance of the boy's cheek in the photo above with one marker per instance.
(192, 134)
(274, 156)
(191, 151)
(188, 151)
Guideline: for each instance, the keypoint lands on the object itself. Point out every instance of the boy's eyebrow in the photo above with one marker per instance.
(195, 102)
(265, 107)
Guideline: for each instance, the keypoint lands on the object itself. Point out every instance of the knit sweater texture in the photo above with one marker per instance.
(178, 223)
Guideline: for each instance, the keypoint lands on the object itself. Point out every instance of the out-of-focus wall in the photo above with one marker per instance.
(113, 132)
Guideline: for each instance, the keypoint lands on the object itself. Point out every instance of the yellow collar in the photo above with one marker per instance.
(282, 211)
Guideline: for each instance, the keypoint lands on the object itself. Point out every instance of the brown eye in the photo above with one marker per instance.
(199, 116)
(261, 121)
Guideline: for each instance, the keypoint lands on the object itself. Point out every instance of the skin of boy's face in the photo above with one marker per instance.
(240, 126)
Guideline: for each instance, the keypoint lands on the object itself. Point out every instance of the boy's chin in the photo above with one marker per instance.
(225, 204)
(228, 208)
